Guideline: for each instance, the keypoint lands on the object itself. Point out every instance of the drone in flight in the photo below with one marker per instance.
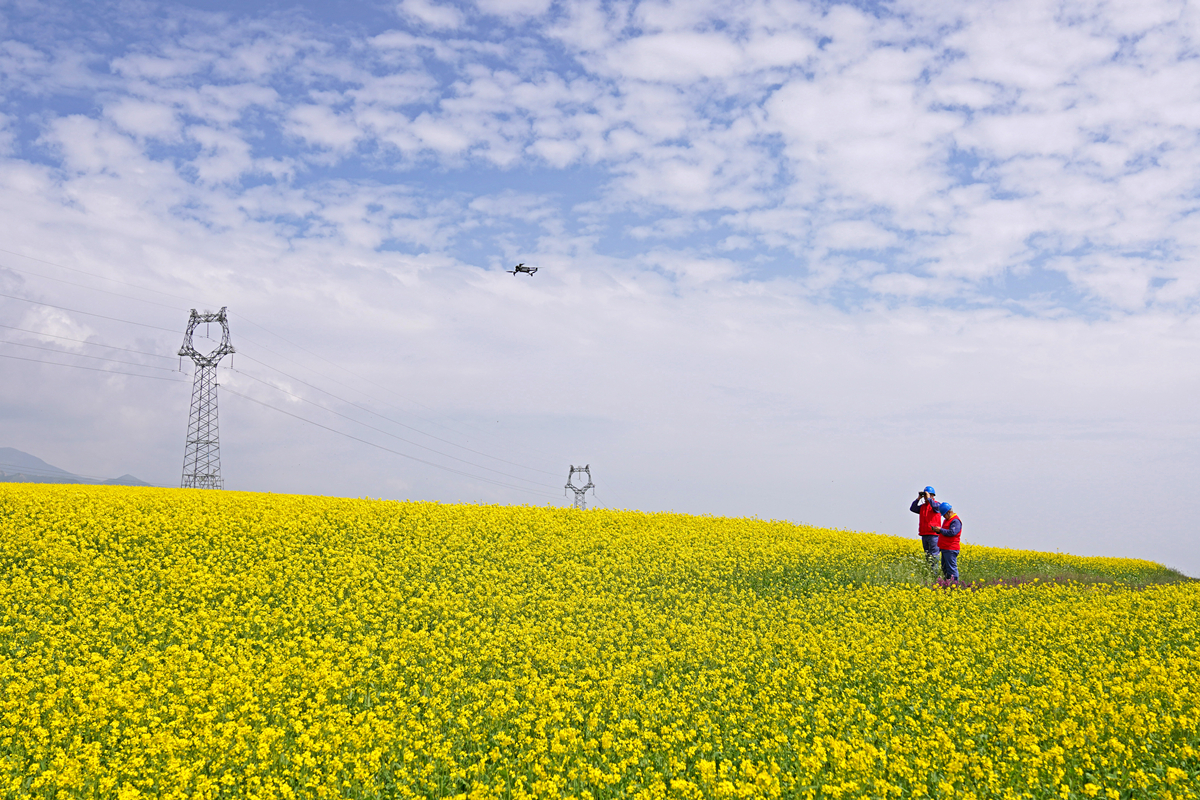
(521, 268)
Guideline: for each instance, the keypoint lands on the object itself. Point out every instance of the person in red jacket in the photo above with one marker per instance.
(949, 537)
(926, 505)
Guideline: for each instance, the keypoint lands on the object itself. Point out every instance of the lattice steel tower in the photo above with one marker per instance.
(580, 502)
(202, 454)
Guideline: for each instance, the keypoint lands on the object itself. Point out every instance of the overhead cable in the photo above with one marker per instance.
(362, 378)
(269, 350)
(395, 422)
(89, 288)
(388, 449)
(328, 377)
(39, 472)
(264, 347)
(93, 369)
(93, 275)
(87, 313)
(85, 355)
(115, 319)
(84, 341)
(386, 433)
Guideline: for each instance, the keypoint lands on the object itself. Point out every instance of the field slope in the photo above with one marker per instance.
(175, 643)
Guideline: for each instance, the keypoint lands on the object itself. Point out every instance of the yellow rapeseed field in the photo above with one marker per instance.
(173, 643)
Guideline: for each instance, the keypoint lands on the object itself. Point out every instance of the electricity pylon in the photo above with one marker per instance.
(202, 454)
(580, 502)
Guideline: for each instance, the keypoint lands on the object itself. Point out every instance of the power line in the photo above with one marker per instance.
(251, 322)
(272, 333)
(43, 471)
(89, 288)
(131, 322)
(602, 503)
(93, 275)
(87, 313)
(364, 394)
(264, 347)
(368, 380)
(396, 422)
(386, 433)
(335, 364)
(84, 341)
(93, 369)
(295, 416)
(39, 472)
(85, 355)
(388, 449)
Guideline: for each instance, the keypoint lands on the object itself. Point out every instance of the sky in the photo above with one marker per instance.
(796, 260)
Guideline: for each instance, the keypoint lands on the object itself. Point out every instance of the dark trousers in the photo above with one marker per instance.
(950, 565)
(931, 550)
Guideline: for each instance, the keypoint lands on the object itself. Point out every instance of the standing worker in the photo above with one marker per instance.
(949, 537)
(927, 506)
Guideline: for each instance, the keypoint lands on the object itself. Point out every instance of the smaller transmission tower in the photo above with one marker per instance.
(202, 454)
(580, 491)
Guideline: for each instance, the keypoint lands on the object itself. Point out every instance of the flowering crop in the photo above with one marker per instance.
(217, 644)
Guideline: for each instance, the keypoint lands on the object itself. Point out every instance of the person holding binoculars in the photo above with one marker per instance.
(926, 505)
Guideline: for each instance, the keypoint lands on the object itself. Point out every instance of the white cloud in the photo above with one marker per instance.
(1122, 282)
(855, 235)
(909, 286)
(692, 270)
(7, 137)
(322, 127)
(261, 51)
(88, 146)
(676, 57)
(441, 136)
(514, 8)
(56, 327)
(22, 65)
(140, 118)
(390, 91)
(557, 153)
(435, 15)
(157, 68)
(225, 155)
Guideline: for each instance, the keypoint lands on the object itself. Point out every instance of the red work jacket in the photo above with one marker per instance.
(950, 542)
(929, 520)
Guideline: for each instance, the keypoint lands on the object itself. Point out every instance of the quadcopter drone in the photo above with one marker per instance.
(521, 268)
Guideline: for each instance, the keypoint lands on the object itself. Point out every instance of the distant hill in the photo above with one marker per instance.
(17, 466)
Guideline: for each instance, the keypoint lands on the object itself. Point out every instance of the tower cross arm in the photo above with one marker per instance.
(224, 348)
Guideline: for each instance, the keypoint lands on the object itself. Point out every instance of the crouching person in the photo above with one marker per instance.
(949, 537)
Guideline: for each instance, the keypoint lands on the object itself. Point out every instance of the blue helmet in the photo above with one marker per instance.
(930, 490)
(944, 509)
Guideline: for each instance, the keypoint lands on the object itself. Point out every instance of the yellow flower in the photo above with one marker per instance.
(194, 644)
